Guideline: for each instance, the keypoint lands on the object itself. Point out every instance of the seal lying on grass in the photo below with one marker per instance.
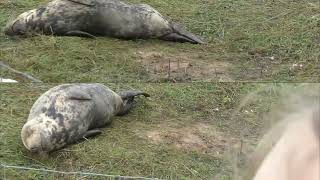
(68, 113)
(98, 17)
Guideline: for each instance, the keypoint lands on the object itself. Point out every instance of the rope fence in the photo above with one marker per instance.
(4, 166)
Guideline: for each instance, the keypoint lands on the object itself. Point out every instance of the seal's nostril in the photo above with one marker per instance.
(34, 149)
(7, 31)
(10, 28)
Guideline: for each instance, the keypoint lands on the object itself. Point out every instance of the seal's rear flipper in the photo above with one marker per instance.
(128, 100)
(80, 34)
(91, 133)
(131, 94)
(181, 35)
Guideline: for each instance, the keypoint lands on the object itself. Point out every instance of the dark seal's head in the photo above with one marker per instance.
(37, 134)
(16, 28)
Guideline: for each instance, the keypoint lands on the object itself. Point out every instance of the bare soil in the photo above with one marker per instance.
(184, 67)
(199, 137)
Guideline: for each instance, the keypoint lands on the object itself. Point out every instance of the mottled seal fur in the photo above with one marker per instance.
(68, 113)
(92, 18)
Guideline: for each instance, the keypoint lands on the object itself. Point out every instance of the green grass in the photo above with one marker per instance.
(256, 40)
(219, 110)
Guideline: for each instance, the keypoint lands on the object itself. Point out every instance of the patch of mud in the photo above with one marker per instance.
(184, 67)
(198, 137)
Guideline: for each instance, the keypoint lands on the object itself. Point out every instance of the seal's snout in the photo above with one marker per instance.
(33, 137)
(8, 30)
(35, 149)
(15, 28)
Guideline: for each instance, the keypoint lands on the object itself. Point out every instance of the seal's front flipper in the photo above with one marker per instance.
(92, 133)
(80, 34)
(128, 100)
(77, 94)
(89, 3)
(180, 35)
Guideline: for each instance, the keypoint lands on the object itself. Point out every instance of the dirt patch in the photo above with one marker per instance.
(155, 136)
(198, 137)
(184, 67)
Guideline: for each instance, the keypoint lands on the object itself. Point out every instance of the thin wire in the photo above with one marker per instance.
(74, 173)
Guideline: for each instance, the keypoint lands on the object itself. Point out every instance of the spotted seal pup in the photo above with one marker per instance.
(68, 113)
(90, 18)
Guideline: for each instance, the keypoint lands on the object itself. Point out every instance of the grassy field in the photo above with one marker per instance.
(247, 40)
(183, 131)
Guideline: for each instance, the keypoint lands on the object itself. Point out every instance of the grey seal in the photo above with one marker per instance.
(68, 113)
(90, 18)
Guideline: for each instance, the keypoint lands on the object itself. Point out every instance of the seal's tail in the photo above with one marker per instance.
(128, 100)
(178, 34)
